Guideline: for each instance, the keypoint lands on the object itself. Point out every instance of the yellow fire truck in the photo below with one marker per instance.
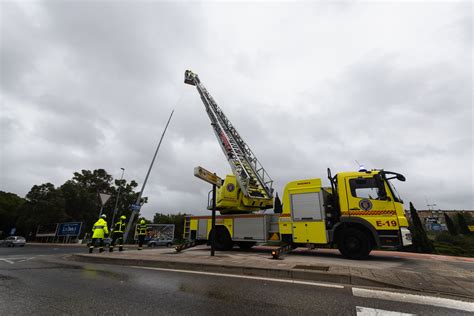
(358, 212)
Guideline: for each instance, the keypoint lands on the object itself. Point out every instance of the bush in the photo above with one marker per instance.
(445, 237)
(450, 245)
(450, 224)
(462, 223)
(421, 242)
(449, 250)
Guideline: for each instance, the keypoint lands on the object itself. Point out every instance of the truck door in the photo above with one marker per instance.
(369, 198)
(308, 218)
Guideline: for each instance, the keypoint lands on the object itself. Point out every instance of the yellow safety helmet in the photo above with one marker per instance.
(142, 221)
(123, 217)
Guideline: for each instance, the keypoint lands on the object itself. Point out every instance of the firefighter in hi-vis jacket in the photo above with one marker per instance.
(141, 232)
(117, 236)
(99, 231)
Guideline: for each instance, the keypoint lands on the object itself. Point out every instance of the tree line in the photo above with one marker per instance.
(444, 242)
(77, 200)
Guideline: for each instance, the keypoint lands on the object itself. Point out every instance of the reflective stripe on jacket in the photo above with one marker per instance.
(141, 229)
(100, 229)
(119, 227)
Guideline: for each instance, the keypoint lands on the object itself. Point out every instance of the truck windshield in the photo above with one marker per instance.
(394, 192)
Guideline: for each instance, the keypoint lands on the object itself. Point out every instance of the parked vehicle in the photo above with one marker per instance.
(13, 241)
(160, 242)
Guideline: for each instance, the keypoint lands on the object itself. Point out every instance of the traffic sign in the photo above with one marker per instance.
(207, 176)
(135, 207)
(69, 229)
(104, 197)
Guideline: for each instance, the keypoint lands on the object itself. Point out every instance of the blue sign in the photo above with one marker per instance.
(69, 229)
(135, 207)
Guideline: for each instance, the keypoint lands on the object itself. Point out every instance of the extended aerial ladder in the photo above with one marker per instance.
(252, 178)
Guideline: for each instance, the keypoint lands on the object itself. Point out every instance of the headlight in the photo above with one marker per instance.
(406, 236)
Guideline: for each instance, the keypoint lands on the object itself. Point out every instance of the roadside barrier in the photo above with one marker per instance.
(185, 245)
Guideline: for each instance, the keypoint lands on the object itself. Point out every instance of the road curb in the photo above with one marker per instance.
(292, 274)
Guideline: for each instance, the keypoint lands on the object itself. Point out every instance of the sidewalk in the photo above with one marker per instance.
(32, 243)
(446, 275)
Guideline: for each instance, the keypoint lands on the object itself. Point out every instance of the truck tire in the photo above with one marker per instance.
(223, 239)
(246, 245)
(354, 244)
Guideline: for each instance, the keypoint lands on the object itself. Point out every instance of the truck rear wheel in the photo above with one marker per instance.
(354, 244)
(223, 239)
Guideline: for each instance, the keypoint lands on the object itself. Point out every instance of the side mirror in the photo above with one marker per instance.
(401, 177)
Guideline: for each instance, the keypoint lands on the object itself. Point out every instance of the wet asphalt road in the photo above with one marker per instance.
(31, 249)
(40, 280)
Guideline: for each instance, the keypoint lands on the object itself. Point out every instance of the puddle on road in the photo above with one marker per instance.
(6, 278)
(87, 271)
(218, 294)
(92, 273)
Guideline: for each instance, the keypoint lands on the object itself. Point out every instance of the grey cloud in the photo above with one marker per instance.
(18, 41)
(96, 81)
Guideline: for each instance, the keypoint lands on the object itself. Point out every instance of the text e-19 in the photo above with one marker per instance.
(388, 223)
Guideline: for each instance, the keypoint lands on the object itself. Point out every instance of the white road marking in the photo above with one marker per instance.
(11, 260)
(415, 299)
(365, 311)
(245, 277)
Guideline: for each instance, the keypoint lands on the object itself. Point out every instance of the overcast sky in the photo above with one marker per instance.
(90, 84)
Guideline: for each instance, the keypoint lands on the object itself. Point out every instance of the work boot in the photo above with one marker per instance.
(120, 248)
(111, 249)
(90, 249)
(101, 250)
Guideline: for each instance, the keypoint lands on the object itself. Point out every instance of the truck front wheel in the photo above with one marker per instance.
(354, 244)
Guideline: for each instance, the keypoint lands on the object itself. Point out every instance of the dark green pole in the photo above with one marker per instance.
(213, 230)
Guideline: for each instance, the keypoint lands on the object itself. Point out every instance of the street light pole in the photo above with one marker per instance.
(137, 206)
(116, 201)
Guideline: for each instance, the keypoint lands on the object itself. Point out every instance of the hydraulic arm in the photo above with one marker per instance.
(252, 178)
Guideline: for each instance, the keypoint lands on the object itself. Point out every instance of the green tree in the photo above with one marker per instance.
(45, 204)
(176, 219)
(76, 200)
(450, 224)
(9, 206)
(91, 183)
(421, 242)
(80, 204)
(463, 228)
(277, 207)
